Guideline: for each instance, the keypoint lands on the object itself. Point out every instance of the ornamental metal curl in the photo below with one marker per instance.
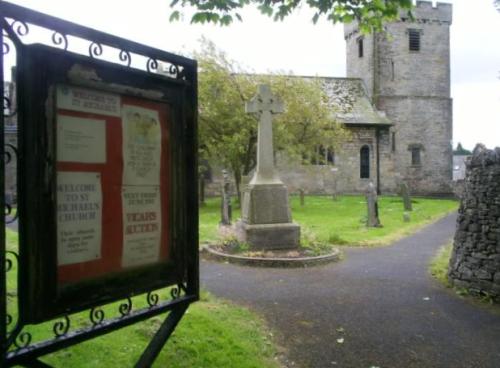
(60, 39)
(23, 340)
(20, 27)
(61, 328)
(173, 70)
(8, 262)
(96, 316)
(6, 47)
(176, 291)
(8, 319)
(152, 299)
(152, 65)
(125, 57)
(95, 50)
(126, 307)
(9, 219)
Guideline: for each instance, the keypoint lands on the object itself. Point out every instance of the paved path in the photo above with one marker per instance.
(393, 313)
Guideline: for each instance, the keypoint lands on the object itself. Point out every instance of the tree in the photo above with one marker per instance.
(228, 135)
(369, 13)
(460, 151)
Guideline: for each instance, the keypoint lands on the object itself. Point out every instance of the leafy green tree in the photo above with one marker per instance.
(460, 151)
(369, 13)
(228, 135)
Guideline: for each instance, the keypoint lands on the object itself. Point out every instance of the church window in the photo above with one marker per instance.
(360, 47)
(364, 162)
(414, 39)
(393, 141)
(330, 156)
(415, 156)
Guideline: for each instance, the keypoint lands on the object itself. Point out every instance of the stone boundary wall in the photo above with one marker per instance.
(475, 260)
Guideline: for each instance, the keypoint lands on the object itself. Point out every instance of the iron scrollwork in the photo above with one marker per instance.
(152, 299)
(19, 27)
(95, 50)
(152, 65)
(125, 308)
(23, 340)
(125, 57)
(177, 291)
(61, 328)
(96, 316)
(60, 39)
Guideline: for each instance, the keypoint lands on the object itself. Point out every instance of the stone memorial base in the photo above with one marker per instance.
(266, 218)
(271, 236)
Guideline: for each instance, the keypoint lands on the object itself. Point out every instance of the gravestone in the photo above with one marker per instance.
(301, 195)
(372, 205)
(225, 205)
(266, 217)
(405, 194)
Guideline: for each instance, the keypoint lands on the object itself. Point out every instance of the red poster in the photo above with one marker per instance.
(112, 183)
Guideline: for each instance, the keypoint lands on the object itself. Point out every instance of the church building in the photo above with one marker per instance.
(396, 104)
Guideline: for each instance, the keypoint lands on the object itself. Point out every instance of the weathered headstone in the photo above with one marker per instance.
(266, 217)
(372, 205)
(225, 206)
(301, 195)
(406, 217)
(405, 194)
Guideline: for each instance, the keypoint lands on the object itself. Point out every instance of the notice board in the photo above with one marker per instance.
(104, 152)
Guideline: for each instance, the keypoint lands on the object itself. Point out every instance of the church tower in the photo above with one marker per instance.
(406, 72)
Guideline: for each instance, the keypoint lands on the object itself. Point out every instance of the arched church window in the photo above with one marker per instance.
(364, 162)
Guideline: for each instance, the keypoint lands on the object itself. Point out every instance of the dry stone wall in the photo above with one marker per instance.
(475, 261)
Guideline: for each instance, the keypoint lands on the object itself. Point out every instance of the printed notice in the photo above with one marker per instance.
(79, 213)
(141, 146)
(141, 225)
(87, 100)
(81, 140)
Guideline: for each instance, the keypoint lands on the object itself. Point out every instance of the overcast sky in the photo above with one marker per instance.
(298, 46)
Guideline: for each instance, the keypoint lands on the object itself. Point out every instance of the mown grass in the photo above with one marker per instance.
(342, 222)
(214, 333)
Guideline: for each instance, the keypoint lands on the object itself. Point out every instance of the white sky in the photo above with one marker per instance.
(298, 46)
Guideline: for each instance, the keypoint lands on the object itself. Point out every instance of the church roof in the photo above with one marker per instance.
(350, 102)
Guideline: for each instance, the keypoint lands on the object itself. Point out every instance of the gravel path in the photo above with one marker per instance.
(381, 301)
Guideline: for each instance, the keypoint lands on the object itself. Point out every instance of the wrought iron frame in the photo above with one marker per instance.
(16, 346)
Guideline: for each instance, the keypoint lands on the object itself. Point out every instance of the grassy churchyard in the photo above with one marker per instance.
(326, 223)
(216, 333)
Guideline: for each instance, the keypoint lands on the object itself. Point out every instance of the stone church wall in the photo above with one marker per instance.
(475, 261)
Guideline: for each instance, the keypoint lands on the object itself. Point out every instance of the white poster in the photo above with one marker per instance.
(141, 225)
(88, 100)
(81, 140)
(79, 214)
(141, 146)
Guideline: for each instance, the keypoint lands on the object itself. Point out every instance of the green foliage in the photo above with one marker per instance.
(369, 13)
(461, 151)
(228, 135)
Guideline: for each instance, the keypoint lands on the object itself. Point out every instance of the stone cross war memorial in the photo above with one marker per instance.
(107, 193)
(266, 219)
